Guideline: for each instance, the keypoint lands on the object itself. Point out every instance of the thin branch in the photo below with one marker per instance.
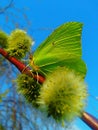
(21, 66)
(90, 120)
(6, 7)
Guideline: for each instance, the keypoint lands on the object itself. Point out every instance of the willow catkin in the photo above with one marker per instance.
(28, 87)
(3, 39)
(19, 43)
(63, 95)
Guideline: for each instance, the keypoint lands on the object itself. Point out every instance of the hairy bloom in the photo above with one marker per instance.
(28, 87)
(3, 39)
(63, 95)
(19, 43)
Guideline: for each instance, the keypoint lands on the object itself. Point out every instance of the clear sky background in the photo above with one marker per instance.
(45, 16)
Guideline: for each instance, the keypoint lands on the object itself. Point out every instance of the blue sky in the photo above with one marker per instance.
(46, 15)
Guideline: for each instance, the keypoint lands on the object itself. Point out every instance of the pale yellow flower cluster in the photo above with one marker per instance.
(19, 43)
(63, 95)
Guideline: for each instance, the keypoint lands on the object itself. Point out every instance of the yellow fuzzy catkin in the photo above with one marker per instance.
(29, 88)
(19, 43)
(3, 39)
(63, 95)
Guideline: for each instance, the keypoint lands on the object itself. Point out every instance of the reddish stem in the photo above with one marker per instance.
(91, 121)
(21, 66)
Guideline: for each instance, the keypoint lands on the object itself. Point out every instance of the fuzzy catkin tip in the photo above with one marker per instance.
(19, 43)
(63, 95)
(29, 88)
(3, 39)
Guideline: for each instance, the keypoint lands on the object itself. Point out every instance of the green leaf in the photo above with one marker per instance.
(61, 48)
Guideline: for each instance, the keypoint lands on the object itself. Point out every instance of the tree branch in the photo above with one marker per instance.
(21, 67)
(2, 10)
(91, 121)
